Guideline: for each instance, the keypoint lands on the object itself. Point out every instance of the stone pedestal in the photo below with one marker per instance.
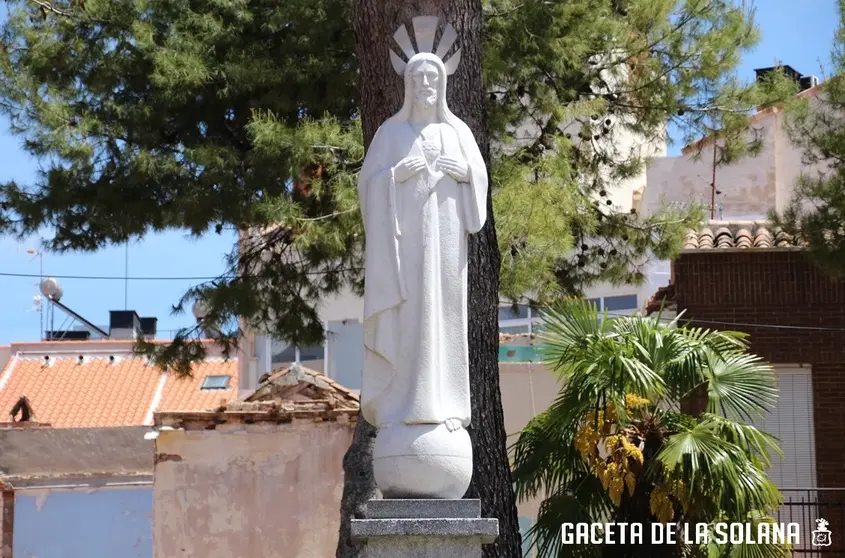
(424, 529)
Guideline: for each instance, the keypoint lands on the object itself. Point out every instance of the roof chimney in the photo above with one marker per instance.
(149, 326)
(124, 324)
(804, 82)
(808, 82)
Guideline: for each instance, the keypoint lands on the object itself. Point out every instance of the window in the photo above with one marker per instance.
(510, 312)
(286, 352)
(345, 348)
(522, 319)
(620, 303)
(791, 421)
(216, 382)
(312, 353)
(525, 319)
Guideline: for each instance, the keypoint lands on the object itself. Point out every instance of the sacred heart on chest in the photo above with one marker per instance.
(431, 151)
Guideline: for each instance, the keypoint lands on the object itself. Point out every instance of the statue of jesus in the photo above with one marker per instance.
(423, 191)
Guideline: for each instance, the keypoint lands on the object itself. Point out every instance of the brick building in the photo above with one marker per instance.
(745, 276)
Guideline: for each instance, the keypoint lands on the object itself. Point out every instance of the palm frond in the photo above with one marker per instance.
(710, 463)
(583, 501)
(765, 549)
(719, 461)
(739, 385)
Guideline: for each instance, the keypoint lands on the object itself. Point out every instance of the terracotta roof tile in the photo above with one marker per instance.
(739, 235)
(299, 385)
(96, 392)
(185, 394)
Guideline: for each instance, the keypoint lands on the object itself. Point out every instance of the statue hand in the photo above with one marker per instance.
(459, 170)
(407, 168)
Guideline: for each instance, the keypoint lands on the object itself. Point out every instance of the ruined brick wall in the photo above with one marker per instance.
(778, 288)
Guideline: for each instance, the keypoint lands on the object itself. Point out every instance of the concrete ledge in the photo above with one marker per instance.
(423, 509)
(485, 530)
(424, 529)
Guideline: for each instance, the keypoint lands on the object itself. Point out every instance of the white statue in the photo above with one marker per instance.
(423, 191)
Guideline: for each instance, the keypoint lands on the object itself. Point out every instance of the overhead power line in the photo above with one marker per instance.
(111, 278)
(615, 314)
(696, 321)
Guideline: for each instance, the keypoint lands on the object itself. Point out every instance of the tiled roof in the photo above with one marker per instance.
(67, 392)
(739, 235)
(185, 394)
(300, 384)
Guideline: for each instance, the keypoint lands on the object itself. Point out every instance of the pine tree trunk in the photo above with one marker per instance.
(374, 22)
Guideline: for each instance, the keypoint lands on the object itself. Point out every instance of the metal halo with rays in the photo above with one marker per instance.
(425, 29)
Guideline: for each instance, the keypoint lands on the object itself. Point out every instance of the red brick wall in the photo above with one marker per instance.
(782, 288)
(7, 522)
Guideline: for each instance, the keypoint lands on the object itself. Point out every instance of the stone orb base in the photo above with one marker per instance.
(422, 461)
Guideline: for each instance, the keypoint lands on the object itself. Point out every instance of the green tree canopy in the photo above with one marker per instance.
(206, 115)
(243, 115)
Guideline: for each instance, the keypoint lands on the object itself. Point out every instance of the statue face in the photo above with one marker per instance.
(425, 78)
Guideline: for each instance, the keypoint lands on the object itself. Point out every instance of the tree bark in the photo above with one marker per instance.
(374, 22)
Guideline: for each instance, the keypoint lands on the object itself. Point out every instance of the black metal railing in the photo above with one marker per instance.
(807, 505)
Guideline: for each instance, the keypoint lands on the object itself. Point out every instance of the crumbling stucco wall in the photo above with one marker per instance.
(250, 491)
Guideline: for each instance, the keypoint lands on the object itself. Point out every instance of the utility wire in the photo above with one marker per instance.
(112, 278)
(614, 314)
(696, 321)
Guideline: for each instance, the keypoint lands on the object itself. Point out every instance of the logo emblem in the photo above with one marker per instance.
(821, 536)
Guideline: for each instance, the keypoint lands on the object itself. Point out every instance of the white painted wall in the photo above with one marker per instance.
(750, 188)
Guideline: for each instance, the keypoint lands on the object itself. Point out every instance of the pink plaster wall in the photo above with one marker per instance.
(249, 491)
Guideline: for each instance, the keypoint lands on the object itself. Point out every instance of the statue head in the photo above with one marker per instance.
(424, 77)
(427, 67)
(425, 85)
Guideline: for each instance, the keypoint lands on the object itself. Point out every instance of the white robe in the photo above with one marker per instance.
(416, 364)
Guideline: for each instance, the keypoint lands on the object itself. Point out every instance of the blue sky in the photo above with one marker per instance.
(796, 33)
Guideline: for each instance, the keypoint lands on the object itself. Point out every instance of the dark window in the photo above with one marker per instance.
(511, 312)
(312, 353)
(615, 303)
(284, 352)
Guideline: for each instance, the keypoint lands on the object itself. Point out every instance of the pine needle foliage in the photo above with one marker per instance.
(242, 115)
(816, 212)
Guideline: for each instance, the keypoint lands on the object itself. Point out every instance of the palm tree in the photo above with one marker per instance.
(615, 445)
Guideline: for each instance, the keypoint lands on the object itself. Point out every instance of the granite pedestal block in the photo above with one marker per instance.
(424, 529)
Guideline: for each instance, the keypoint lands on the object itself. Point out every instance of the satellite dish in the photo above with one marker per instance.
(200, 310)
(51, 288)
